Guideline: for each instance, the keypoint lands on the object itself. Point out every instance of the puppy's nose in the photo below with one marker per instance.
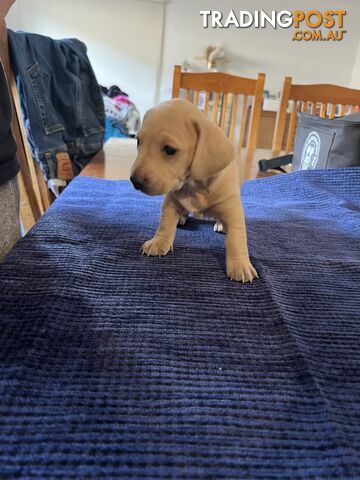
(138, 184)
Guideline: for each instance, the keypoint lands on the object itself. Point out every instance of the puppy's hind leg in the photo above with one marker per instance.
(219, 227)
(183, 219)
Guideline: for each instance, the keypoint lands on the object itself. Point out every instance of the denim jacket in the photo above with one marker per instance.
(61, 101)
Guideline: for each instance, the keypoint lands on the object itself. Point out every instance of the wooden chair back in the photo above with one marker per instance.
(32, 183)
(322, 100)
(221, 96)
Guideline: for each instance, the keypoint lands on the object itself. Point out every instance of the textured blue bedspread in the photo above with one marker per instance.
(114, 365)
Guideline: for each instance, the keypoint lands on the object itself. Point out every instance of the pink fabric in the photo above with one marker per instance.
(122, 99)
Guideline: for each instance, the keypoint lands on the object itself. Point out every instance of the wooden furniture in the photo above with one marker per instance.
(266, 129)
(33, 188)
(115, 160)
(322, 100)
(221, 95)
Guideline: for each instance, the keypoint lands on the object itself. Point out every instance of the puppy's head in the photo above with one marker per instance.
(176, 143)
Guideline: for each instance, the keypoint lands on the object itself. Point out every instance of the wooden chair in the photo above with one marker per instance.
(33, 188)
(322, 100)
(220, 93)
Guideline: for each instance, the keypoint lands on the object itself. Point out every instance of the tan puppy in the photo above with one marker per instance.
(186, 157)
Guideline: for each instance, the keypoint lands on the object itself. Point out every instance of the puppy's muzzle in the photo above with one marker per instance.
(138, 183)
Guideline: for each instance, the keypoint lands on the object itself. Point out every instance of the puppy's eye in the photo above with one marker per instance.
(169, 150)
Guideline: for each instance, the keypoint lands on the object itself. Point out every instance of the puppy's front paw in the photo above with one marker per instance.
(156, 247)
(240, 270)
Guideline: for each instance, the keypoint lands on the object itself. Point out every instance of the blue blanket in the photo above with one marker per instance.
(115, 365)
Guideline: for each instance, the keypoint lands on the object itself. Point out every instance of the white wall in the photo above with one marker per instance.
(123, 38)
(13, 18)
(262, 50)
(355, 77)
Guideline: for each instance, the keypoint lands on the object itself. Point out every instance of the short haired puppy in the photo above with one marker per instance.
(183, 155)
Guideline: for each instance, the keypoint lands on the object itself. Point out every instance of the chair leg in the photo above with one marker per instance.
(27, 218)
(281, 118)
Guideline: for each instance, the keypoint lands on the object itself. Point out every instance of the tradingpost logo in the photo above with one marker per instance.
(313, 25)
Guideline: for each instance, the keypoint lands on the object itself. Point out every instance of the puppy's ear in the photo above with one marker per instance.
(213, 151)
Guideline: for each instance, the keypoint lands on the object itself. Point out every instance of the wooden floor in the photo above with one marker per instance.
(114, 161)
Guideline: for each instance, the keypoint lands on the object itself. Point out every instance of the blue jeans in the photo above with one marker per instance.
(61, 101)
